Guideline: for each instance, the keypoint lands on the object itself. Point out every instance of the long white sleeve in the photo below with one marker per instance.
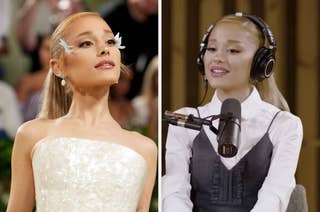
(286, 136)
(176, 183)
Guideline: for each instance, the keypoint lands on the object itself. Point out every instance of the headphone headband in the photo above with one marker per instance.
(264, 58)
(265, 29)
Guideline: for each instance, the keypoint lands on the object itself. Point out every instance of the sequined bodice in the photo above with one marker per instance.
(72, 174)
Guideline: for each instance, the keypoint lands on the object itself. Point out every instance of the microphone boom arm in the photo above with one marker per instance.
(190, 121)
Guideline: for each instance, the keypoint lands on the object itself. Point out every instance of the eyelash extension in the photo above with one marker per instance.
(118, 41)
(67, 48)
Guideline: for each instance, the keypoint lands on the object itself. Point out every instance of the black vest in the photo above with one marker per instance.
(217, 189)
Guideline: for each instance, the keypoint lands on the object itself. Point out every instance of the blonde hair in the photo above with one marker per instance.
(57, 99)
(267, 88)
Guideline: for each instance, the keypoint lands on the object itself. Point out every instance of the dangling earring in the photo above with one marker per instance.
(63, 81)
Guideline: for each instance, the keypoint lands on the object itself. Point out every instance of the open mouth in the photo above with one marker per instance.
(216, 71)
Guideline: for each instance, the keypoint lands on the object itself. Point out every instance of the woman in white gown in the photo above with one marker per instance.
(75, 156)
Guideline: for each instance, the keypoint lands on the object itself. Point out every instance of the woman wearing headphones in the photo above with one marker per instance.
(236, 58)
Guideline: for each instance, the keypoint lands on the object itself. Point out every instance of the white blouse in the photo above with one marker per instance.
(256, 115)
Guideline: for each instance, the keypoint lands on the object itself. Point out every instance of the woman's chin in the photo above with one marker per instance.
(219, 84)
(107, 81)
(97, 84)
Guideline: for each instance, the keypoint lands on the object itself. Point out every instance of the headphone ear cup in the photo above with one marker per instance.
(262, 64)
(203, 48)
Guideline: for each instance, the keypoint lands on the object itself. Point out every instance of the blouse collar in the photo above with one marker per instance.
(249, 107)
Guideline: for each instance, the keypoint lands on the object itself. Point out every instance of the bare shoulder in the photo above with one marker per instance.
(33, 128)
(30, 132)
(146, 146)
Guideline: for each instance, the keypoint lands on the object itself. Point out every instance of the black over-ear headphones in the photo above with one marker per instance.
(264, 58)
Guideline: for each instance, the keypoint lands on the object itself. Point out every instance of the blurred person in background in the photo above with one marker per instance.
(10, 117)
(30, 85)
(146, 104)
(137, 20)
(36, 19)
(5, 18)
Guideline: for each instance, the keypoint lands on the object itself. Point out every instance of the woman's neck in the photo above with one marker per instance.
(90, 107)
(239, 94)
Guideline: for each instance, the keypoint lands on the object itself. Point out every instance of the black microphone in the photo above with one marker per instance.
(229, 128)
(187, 121)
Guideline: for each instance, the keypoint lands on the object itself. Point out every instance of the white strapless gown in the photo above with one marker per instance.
(73, 175)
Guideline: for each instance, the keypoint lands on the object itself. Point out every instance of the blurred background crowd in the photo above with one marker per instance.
(25, 28)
